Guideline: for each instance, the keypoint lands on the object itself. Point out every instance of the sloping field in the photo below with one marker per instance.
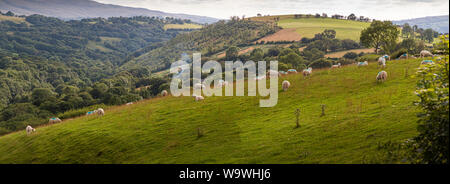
(13, 19)
(282, 35)
(360, 115)
(308, 27)
(342, 53)
(182, 26)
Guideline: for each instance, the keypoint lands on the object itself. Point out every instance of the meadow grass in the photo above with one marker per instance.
(308, 27)
(17, 20)
(360, 115)
(182, 26)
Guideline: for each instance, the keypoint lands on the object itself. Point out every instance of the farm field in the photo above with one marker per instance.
(308, 27)
(361, 114)
(182, 26)
(342, 53)
(283, 35)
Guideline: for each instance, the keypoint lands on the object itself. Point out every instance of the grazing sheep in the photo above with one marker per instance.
(425, 53)
(382, 62)
(164, 93)
(199, 86)
(54, 120)
(100, 112)
(129, 103)
(222, 83)
(91, 113)
(425, 62)
(198, 98)
(272, 73)
(403, 56)
(387, 57)
(365, 63)
(336, 66)
(286, 85)
(30, 129)
(307, 72)
(292, 71)
(382, 76)
(260, 78)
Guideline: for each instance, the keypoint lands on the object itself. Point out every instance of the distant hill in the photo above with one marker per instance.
(209, 40)
(437, 23)
(86, 9)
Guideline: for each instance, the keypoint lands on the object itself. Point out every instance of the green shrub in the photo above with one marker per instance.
(398, 53)
(369, 57)
(79, 112)
(350, 55)
(431, 146)
(320, 63)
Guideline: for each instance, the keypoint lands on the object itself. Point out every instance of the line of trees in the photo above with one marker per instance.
(415, 32)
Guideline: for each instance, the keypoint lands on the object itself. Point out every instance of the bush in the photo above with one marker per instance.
(345, 61)
(369, 57)
(398, 53)
(320, 63)
(431, 146)
(350, 55)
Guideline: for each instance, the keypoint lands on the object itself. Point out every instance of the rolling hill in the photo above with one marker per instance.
(361, 115)
(86, 9)
(308, 27)
(209, 40)
(437, 23)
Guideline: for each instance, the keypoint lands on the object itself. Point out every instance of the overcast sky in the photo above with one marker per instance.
(223, 9)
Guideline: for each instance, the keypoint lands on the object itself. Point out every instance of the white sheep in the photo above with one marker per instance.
(273, 73)
(129, 103)
(292, 71)
(382, 76)
(54, 120)
(425, 62)
(199, 86)
(260, 78)
(425, 53)
(382, 62)
(91, 113)
(286, 85)
(100, 112)
(198, 98)
(336, 66)
(222, 83)
(164, 93)
(365, 63)
(307, 72)
(404, 56)
(30, 129)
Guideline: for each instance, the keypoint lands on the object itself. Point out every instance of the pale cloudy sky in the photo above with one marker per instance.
(223, 9)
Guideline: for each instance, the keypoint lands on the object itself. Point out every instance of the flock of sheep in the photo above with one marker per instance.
(98, 112)
(381, 76)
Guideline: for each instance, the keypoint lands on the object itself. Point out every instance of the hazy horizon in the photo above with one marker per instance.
(223, 9)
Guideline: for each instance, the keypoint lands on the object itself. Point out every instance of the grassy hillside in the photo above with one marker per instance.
(360, 115)
(182, 26)
(308, 27)
(209, 40)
